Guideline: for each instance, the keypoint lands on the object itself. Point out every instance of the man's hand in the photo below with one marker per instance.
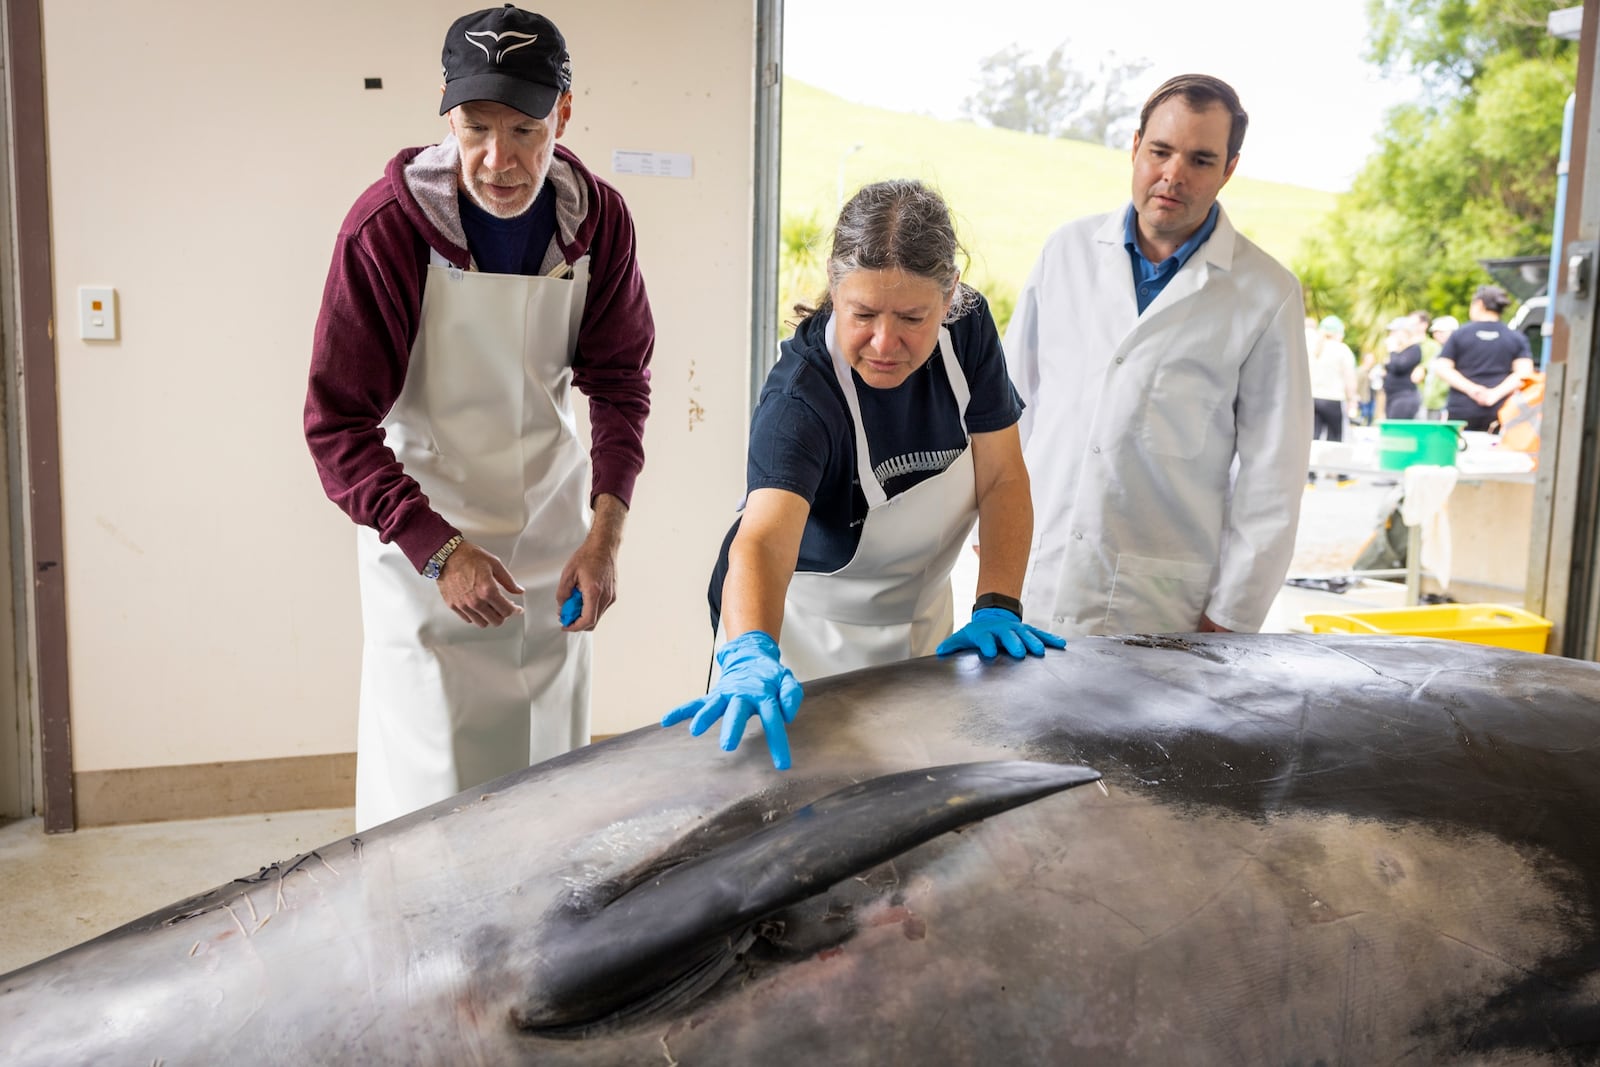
(474, 583)
(592, 570)
(1511, 384)
(1209, 627)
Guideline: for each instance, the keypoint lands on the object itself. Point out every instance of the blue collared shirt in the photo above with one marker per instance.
(1150, 278)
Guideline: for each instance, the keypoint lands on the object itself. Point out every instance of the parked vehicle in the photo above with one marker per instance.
(1527, 279)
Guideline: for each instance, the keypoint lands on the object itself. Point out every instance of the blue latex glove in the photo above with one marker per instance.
(572, 607)
(991, 628)
(753, 682)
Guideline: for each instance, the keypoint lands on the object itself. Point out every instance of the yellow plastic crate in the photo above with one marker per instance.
(1478, 624)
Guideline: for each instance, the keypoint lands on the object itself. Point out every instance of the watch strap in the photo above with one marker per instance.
(999, 600)
(435, 564)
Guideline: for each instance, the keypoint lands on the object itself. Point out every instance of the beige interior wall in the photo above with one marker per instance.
(202, 157)
(16, 734)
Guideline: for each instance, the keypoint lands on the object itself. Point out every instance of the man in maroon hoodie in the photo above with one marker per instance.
(471, 287)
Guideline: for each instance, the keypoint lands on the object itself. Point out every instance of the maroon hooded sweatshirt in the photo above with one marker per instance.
(371, 307)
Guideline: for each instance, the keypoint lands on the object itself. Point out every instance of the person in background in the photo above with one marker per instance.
(471, 286)
(1163, 360)
(1484, 361)
(1434, 390)
(1369, 382)
(1402, 399)
(1333, 388)
(887, 426)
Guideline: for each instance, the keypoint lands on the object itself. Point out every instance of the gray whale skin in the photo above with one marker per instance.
(1200, 849)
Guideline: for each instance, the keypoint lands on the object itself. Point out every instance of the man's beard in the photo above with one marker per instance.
(499, 209)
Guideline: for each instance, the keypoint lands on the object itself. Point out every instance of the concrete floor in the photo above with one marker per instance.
(60, 890)
(63, 889)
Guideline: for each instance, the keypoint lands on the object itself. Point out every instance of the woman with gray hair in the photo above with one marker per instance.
(887, 426)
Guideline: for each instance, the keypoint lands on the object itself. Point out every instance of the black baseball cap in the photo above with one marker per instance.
(507, 55)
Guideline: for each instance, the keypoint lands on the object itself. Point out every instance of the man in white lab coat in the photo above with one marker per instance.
(1163, 362)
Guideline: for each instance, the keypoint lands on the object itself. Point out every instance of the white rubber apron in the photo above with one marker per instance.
(484, 424)
(892, 600)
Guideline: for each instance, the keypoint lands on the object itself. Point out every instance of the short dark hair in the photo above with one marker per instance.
(1492, 297)
(1200, 91)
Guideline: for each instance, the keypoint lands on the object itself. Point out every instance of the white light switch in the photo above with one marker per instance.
(97, 313)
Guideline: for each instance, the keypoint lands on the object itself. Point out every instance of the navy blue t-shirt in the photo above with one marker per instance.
(802, 437)
(510, 246)
(1483, 352)
(1397, 377)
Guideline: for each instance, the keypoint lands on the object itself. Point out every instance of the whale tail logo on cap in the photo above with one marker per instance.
(523, 40)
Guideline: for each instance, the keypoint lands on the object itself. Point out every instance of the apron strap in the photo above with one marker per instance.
(436, 260)
(957, 377)
(870, 486)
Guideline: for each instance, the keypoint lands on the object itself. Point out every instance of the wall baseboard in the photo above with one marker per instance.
(208, 790)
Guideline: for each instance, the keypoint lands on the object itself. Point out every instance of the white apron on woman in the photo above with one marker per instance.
(484, 424)
(892, 601)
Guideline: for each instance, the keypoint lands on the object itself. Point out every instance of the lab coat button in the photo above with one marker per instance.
(1077, 535)
(1121, 358)
(1095, 450)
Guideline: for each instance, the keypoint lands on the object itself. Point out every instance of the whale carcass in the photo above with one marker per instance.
(1200, 849)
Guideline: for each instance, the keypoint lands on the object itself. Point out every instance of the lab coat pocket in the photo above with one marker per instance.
(1156, 595)
(1179, 407)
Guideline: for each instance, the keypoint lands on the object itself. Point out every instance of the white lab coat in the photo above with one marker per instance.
(1168, 450)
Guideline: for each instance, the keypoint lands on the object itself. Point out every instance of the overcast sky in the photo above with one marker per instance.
(1315, 105)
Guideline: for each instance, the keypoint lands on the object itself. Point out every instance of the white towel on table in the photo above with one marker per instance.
(1426, 504)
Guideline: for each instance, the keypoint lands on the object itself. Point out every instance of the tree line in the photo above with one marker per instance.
(1056, 98)
(1467, 172)
(1464, 173)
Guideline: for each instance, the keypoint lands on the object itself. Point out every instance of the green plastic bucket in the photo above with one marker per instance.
(1406, 443)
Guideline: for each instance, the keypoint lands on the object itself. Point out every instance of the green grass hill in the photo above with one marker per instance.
(1008, 190)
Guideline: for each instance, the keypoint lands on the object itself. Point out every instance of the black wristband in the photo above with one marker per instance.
(999, 600)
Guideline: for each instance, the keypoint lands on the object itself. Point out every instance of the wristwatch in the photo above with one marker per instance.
(999, 600)
(435, 562)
